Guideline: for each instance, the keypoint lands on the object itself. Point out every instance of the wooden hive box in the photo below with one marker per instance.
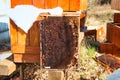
(113, 31)
(54, 42)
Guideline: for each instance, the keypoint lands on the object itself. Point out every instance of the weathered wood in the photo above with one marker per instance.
(106, 48)
(115, 4)
(7, 67)
(113, 35)
(117, 18)
(56, 75)
(109, 60)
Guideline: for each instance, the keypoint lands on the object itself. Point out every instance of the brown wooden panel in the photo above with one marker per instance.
(106, 48)
(116, 35)
(115, 4)
(64, 4)
(113, 34)
(24, 49)
(116, 51)
(13, 33)
(39, 3)
(117, 18)
(27, 58)
(50, 3)
(18, 2)
(74, 5)
(34, 33)
(109, 32)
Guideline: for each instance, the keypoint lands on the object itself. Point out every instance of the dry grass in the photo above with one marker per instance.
(90, 70)
(99, 16)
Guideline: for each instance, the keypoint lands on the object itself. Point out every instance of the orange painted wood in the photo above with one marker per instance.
(51, 3)
(18, 2)
(14, 3)
(83, 4)
(67, 5)
(22, 42)
(22, 37)
(64, 4)
(25, 49)
(74, 5)
(39, 3)
(13, 33)
(26, 58)
(34, 33)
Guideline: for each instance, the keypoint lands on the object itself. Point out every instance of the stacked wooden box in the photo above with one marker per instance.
(112, 45)
(53, 40)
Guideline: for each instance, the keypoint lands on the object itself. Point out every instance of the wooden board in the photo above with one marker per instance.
(117, 18)
(115, 4)
(7, 67)
(109, 61)
(106, 48)
(27, 58)
(113, 35)
(22, 42)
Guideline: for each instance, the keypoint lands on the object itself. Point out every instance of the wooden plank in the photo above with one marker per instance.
(28, 2)
(116, 51)
(34, 33)
(115, 4)
(113, 33)
(14, 3)
(13, 33)
(18, 2)
(23, 38)
(67, 5)
(117, 18)
(24, 49)
(83, 4)
(109, 33)
(56, 75)
(110, 60)
(116, 35)
(64, 4)
(27, 58)
(39, 3)
(74, 5)
(51, 3)
(106, 48)
(7, 67)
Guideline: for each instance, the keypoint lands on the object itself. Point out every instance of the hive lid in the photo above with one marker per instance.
(67, 5)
